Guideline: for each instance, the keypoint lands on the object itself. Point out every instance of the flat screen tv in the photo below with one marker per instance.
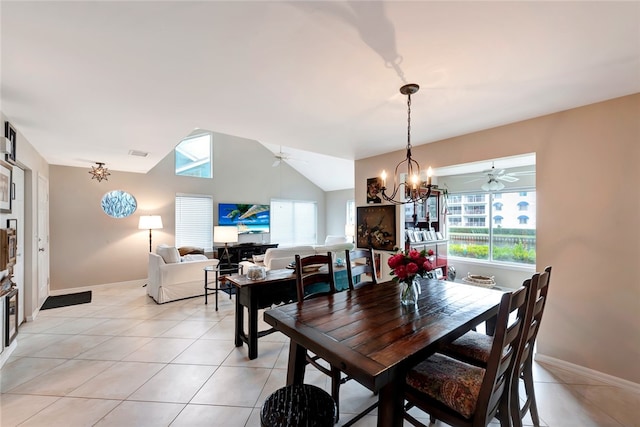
(250, 219)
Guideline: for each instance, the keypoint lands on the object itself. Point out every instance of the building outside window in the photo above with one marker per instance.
(476, 232)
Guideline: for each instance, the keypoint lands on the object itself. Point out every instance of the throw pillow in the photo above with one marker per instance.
(169, 254)
(194, 257)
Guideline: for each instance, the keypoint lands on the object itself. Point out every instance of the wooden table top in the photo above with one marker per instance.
(279, 275)
(369, 335)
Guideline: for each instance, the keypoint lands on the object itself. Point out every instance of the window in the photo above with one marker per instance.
(193, 156)
(194, 221)
(294, 222)
(351, 212)
(481, 234)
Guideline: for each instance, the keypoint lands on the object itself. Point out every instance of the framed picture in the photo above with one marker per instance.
(376, 227)
(10, 134)
(410, 235)
(5, 187)
(373, 190)
(439, 236)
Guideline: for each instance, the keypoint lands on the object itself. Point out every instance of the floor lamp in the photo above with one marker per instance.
(151, 222)
(225, 234)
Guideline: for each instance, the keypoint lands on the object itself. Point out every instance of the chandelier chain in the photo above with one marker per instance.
(409, 121)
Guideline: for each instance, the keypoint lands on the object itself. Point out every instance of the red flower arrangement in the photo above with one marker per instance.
(407, 265)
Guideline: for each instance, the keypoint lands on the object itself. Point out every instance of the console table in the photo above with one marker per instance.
(243, 252)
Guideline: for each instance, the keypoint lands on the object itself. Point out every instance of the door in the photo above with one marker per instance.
(43, 239)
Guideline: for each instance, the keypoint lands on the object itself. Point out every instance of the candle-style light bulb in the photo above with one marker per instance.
(429, 173)
(383, 175)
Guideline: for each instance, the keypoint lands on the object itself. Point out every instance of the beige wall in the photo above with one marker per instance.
(587, 211)
(33, 164)
(89, 248)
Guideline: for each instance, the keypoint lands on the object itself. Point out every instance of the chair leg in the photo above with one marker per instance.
(514, 402)
(527, 376)
(335, 389)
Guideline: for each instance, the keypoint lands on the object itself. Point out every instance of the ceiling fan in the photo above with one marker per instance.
(493, 178)
(281, 156)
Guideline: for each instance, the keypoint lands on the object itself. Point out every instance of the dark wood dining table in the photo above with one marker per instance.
(371, 337)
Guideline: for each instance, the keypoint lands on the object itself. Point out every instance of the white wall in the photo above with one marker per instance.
(588, 229)
(337, 211)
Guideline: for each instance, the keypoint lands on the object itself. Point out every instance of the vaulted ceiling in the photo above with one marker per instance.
(89, 81)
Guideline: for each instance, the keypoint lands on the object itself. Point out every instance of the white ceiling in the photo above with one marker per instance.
(88, 81)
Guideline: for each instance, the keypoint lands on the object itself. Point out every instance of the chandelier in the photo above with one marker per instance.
(413, 189)
(99, 172)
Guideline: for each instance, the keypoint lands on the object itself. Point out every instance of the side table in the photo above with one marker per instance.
(218, 270)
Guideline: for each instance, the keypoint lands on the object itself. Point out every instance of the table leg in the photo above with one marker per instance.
(217, 289)
(252, 342)
(239, 320)
(390, 405)
(297, 363)
(206, 291)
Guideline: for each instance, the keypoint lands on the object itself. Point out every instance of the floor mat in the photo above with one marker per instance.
(65, 300)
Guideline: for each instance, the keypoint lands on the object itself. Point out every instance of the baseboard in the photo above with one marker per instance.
(590, 373)
(139, 282)
(4, 356)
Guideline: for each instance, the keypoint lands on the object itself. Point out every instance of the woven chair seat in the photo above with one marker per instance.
(454, 383)
(300, 405)
(472, 347)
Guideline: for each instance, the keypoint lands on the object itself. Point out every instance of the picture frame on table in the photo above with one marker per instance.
(5, 187)
(376, 227)
(11, 135)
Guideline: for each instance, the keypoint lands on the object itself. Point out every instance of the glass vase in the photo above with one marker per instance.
(409, 292)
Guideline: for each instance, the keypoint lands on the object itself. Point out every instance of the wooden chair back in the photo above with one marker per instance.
(523, 365)
(307, 275)
(495, 388)
(356, 267)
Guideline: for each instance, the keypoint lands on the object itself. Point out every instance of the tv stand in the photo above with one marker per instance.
(244, 251)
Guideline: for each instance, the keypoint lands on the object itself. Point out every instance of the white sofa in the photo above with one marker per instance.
(277, 258)
(172, 277)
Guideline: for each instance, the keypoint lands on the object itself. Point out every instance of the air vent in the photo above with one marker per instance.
(138, 153)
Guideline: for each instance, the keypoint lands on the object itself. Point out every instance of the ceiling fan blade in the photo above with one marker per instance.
(508, 178)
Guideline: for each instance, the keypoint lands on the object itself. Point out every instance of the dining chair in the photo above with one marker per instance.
(464, 395)
(314, 278)
(359, 262)
(474, 348)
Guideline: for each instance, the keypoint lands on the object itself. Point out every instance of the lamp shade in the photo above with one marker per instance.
(225, 234)
(150, 222)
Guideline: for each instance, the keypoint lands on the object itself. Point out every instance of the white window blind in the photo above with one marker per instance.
(294, 222)
(194, 221)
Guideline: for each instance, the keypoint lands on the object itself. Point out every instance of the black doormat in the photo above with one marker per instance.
(65, 300)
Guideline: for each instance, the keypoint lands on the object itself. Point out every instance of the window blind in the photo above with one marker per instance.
(194, 221)
(294, 222)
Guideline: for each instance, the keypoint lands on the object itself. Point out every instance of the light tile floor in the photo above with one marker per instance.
(123, 360)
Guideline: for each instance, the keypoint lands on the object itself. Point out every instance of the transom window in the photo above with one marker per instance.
(193, 156)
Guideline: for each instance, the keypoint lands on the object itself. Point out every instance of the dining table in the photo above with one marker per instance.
(374, 339)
